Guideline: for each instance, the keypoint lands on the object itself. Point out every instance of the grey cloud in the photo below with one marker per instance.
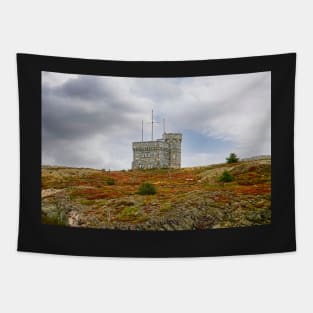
(92, 120)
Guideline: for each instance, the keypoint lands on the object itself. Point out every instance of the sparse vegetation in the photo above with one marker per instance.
(146, 189)
(232, 158)
(159, 199)
(226, 177)
(53, 219)
(128, 213)
(55, 216)
(110, 181)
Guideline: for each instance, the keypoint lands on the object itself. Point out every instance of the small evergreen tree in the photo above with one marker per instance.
(232, 158)
(226, 177)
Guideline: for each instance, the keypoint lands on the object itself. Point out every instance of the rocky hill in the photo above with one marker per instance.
(185, 199)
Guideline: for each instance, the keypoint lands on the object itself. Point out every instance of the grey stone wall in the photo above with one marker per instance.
(162, 153)
(150, 154)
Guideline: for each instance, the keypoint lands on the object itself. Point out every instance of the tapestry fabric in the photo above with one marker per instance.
(156, 158)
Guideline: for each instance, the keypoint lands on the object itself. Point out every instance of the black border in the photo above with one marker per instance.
(277, 237)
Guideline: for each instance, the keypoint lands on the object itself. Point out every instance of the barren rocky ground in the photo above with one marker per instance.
(186, 199)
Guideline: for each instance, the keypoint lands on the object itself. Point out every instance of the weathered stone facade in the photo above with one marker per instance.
(161, 153)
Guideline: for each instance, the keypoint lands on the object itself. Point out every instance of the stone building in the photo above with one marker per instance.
(160, 153)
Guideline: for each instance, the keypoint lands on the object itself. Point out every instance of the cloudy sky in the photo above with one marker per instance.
(91, 121)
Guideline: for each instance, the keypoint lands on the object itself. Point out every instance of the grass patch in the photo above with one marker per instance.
(129, 213)
(54, 218)
(165, 207)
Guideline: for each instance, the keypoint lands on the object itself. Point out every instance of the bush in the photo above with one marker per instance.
(110, 181)
(54, 219)
(232, 158)
(226, 177)
(147, 189)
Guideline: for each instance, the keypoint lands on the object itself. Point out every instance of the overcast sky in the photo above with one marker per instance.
(91, 121)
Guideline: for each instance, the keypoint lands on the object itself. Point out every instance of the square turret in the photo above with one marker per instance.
(174, 145)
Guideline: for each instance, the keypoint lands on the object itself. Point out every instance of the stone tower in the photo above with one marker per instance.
(160, 153)
(174, 148)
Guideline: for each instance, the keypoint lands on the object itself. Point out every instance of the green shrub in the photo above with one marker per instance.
(54, 218)
(232, 158)
(147, 189)
(130, 211)
(110, 181)
(226, 177)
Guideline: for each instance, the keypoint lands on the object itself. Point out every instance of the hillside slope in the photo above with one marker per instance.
(186, 199)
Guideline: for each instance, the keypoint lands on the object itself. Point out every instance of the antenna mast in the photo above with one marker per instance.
(163, 125)
(152, 125)
(141, 130)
